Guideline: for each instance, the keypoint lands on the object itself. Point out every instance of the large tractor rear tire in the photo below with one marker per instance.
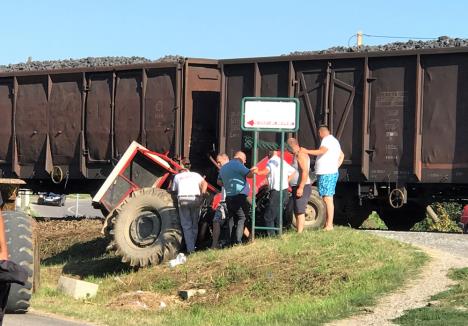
(147, 228)
(23, 249)
(315, 212)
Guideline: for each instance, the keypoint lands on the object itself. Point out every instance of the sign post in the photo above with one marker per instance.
(269, 114)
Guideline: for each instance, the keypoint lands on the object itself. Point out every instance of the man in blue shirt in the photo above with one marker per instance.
(232, 176)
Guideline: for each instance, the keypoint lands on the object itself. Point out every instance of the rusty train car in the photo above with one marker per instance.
(79, 121)
(401, 118)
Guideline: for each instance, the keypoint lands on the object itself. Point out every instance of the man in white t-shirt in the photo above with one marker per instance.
(189, 186)
(329, 159)
(273, 171)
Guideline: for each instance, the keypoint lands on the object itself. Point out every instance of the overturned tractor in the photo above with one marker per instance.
(141, 216)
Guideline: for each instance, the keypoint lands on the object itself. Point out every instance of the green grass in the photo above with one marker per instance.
(449, 307)
(302, 279)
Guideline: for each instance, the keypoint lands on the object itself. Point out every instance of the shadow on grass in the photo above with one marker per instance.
(97, 267)
(88, 259)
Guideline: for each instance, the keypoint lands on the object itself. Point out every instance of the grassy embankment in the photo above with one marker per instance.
(447, 308)
(299, 279)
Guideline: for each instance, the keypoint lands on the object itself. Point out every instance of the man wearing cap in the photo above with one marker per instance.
(189, 186)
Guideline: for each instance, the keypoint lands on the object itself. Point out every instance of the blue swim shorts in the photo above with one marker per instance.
(327, 184)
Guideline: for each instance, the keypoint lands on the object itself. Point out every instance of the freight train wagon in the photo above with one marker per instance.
(400, 116)
(74, 124)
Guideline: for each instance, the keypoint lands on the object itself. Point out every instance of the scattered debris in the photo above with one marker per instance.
(144, 300)
(118, 279)
(76, 288)
(179, 260)
(187, 294)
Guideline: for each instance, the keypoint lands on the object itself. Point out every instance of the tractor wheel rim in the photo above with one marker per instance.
(311, 213)
(145, 228)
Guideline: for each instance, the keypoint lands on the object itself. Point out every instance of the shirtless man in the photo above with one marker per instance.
(301, 183)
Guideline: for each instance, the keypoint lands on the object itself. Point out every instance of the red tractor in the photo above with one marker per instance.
(141, 217)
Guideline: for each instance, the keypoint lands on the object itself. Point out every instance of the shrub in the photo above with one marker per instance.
(374, 222)
(448, 213)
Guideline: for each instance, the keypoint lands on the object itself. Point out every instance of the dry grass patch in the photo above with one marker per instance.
(57, 236)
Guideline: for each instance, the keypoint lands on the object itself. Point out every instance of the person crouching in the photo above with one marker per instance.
(189, 186)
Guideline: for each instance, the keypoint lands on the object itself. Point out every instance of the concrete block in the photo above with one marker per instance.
(76, 288)
(187, 294)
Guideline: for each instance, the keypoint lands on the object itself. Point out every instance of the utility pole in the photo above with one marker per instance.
(359, 39)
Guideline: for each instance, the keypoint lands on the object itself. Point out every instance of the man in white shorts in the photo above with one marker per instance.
(329, 159)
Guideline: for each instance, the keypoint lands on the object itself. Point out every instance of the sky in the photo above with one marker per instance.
(52, 29)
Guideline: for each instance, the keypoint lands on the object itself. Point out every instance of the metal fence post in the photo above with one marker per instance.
(254, 183)
(280, 222)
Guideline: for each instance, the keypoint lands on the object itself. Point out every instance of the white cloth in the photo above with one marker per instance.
(327, 163)
(273, 166)
(223, 194)
(187, 184)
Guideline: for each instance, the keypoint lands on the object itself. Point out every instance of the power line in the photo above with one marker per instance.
(392, 37)
(349, 40)
(407, 37)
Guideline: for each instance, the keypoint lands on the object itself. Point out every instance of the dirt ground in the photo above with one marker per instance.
(57, 236)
